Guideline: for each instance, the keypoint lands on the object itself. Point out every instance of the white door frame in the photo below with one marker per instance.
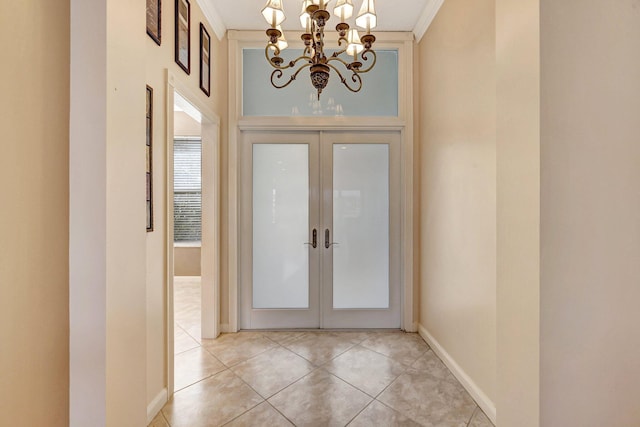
(404, 42)
(320, 313)
(210, 249)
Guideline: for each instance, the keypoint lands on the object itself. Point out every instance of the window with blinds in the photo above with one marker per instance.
(187, 189)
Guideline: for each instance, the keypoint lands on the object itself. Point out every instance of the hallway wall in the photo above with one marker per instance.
(590, 141)
(457, 119)
(518, 212)
(34, 214)
(107, 216)
(158, 59)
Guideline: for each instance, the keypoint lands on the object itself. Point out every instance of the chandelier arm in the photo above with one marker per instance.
(277, 74)
(365, 58)
(338, 53)
(276, 52)
(354, 77)
(336, 58)
(273, 48)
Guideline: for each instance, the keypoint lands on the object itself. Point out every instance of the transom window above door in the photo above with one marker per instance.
(378, 98)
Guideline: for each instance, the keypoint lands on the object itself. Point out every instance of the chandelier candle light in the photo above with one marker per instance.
(313, 19)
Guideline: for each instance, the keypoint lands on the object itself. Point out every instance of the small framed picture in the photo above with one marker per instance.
(149, 163)
(183, 35)
(205, 60)
(154, 20)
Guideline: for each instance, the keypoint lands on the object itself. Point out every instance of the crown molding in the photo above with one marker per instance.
(214, 18)
(426, 18)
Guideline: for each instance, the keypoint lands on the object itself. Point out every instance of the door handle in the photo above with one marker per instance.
(327, 242)
(314, 239)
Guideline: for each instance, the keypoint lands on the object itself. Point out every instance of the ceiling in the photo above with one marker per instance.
(393, 15)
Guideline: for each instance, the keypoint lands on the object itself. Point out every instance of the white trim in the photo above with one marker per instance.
(320, 123)
(235, 95)
(409, 293)
(213, 16)
(224, 328)
(426, 18)
(169, 327)
(210, 253)
(476, 392)
(156, 404)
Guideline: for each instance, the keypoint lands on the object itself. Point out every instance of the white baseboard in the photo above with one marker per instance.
(224, 328)
(156, 405)
(476, 393)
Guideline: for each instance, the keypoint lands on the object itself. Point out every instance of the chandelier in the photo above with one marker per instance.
(355, 58)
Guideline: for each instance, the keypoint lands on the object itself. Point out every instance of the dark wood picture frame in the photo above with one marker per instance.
(183, 35)
(149, 164)
(205, 60)
(154, 20)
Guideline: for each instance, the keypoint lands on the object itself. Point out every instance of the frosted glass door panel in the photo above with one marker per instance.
(361, 226)
(280, 226)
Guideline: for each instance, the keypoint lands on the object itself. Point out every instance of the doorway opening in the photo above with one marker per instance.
(192, 233)
(187, 236)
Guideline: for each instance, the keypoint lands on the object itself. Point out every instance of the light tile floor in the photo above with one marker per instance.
(308, 378)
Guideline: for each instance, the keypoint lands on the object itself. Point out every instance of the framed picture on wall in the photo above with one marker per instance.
(205, 60)
(149, 167)
(183, 35)
(154, 19)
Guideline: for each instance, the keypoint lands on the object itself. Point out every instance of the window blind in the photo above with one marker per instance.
(187, 188)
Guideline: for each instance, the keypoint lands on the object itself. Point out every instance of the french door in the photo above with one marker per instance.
(320, 235)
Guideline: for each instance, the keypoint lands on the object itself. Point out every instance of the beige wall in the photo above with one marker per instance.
(186, 260)
(184, 125)
(119, 364)
(590, 239)
(518, 214)
(34, 242)
(126, 226)
(158, 60)
(458, 188)
(107, 219)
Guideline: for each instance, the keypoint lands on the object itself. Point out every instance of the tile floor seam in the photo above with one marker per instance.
(251, 387)
(279, 343)
(331, 375)
(373, 397)
(389, 385)
(185, 351)
(248, 410)
(347, 382)
(200, 380)
(395, 410)
(164, 418)
(295, 382)
(389, 357)
(472, 415)
(198, 340)
(236, 364)
(361, 411)
(398, 412)
(451, 373)
(320, 365)
(280, 412)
